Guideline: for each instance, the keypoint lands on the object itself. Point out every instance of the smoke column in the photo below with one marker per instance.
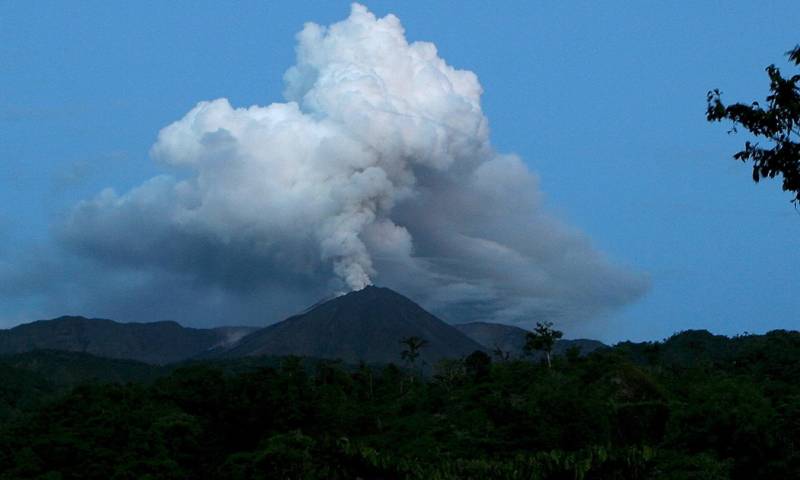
(377, 167)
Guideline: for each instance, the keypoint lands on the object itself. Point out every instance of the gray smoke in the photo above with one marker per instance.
(377, 168)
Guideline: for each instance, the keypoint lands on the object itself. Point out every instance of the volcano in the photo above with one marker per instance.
(365, 325)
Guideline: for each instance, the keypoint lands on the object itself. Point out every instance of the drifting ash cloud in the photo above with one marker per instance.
(377, 168)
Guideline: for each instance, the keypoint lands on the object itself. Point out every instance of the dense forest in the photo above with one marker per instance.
(695, 406)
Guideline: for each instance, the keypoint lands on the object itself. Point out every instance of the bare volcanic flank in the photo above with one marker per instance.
(363, 325)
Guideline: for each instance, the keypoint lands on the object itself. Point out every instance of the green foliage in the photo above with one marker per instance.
(413, 345)
(778, 124)
(695, 406)
(28, 379)
(542, 338)
(478, 365)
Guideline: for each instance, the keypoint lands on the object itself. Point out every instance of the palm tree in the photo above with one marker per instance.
(413, 346)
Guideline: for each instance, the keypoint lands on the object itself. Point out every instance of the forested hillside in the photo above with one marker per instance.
(696, 406)
(155, 342)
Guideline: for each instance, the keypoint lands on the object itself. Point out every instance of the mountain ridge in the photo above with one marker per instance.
(510, 339)
(365, 325)
(158, 342)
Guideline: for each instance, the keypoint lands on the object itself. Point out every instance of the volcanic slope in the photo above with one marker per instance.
(365, 325)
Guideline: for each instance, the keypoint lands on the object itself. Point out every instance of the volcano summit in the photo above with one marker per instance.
(366, 325)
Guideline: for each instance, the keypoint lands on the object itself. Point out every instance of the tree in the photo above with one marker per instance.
(413, 346)
(478, 365)
(502, 355)
(450, 372)
(778, 125)
(542, 339)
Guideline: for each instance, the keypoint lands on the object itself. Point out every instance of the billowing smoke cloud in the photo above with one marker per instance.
(377, 168)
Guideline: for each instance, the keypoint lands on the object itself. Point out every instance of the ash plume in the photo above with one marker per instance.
(378, 167)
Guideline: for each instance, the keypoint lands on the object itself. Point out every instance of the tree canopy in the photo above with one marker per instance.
(542, 338)
(696, 406)
(777, 124)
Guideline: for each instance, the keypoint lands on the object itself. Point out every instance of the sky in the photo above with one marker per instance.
(628, 216)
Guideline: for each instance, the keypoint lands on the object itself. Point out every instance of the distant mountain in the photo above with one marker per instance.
(511, 339)
(154, 343)
(364, 325)
(495, 335)
(584, 345)
(691, 347)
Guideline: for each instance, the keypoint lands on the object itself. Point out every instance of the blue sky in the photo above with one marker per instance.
(603, 100)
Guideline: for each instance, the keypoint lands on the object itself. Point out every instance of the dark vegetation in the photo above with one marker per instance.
(776, 123)
(696, 406)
